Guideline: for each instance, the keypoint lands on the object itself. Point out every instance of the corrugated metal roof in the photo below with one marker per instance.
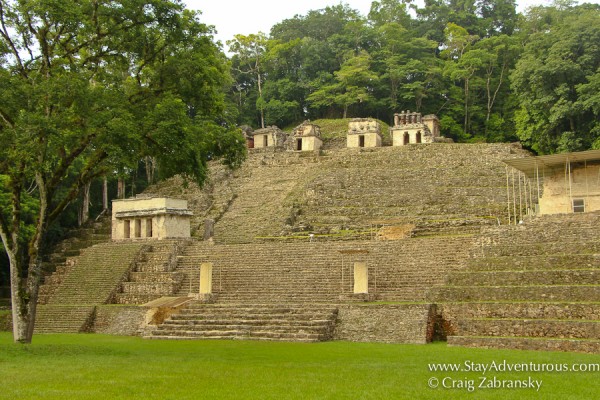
(551, 162)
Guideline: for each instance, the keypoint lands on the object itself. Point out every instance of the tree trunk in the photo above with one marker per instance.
(120, 188)
(150, 163)
(25, 289)
(466, 105)
(84, 210)
(104, 193)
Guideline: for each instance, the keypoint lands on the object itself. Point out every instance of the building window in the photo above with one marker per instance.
(149, 227)
(299, 145)
(265, 141)
(578, 205)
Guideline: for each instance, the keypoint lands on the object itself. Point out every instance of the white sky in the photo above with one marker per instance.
(231, 17)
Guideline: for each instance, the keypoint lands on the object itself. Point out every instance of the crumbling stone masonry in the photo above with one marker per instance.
(412, 128)
(270, 136)
(305, 137)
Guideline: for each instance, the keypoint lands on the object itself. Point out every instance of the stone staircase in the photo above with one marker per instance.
(58, 261)
(89, 279)
(292, 291)
(350, 194)
(300, 323)
(260, 206)
(321, 272)
(153, 275)
(440, 188)
(533, 286)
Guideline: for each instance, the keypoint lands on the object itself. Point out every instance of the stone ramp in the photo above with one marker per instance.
(275, 322)
(531, 286)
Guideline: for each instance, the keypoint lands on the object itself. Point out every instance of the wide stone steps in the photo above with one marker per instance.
(535, 262)
(130, 298)
(62, 318)
(239, 335)
(263, 322)
(555, 293)
(540, 277)
(524, 310)
(535, 284)
(526, 343)
(561, 329)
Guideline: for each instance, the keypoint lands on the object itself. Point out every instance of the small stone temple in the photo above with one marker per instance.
(411, 128)
(363, 132)
(270, 136)
(305, 137)
(559, 183)
(150, 218)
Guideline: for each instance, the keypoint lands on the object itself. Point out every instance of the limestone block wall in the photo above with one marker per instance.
(389, 323)
(5, 321)
(558, 192)
(119, 320)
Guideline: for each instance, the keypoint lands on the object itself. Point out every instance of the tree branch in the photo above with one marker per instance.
(6, 36)
(7, 120)
(86, 175)
(66, 162)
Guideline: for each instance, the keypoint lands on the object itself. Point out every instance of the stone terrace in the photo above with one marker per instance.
(533, 286)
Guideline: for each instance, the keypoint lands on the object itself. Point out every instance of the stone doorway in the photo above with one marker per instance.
(361, 140)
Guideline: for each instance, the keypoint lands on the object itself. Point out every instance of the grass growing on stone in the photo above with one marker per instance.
(109, 367)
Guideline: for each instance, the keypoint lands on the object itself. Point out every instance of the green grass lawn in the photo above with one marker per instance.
(111, 367)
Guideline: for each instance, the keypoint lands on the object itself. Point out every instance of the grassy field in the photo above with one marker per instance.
(109, 367)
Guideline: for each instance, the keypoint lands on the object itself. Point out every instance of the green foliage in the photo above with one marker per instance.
(556, 81)
(90, 88)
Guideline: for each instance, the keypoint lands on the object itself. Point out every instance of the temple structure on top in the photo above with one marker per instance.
(270, 136)
(412, 128)
(150, 218)
(363, 132)
(305, 137)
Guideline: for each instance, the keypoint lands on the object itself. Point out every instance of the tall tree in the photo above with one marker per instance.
(249, 53)
(555, 77)
(351, 85)
(68, 72)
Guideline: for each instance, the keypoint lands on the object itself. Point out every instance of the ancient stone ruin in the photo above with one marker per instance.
(412, 128)
(363, 132)
(305, 137)
(270, 136)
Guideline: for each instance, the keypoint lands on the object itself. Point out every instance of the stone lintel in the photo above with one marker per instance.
(153, 212)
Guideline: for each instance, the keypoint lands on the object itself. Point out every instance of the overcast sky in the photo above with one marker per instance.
(231, 17)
